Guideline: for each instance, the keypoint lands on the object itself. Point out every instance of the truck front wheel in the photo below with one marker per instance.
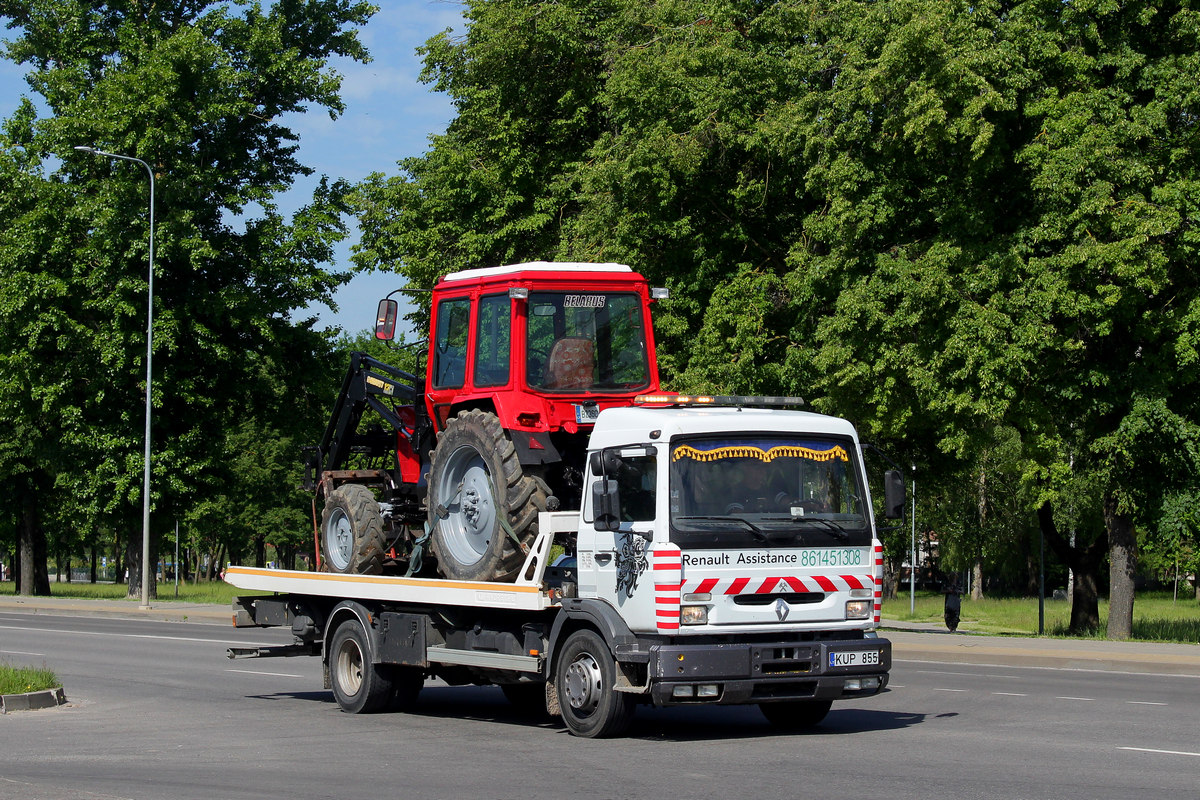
(482, 508)
(352, 531)
(585, 681)
(359, 686)
(794, 715)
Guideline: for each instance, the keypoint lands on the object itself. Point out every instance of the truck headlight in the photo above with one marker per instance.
(693, 615)
(858, 609)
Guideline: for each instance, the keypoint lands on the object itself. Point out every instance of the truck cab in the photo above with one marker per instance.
(740, 543)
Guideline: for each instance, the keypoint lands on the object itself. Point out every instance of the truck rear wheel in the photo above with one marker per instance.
(585, 681)
(794, 715)
(352, 531)
(359, 686)
(476, 486)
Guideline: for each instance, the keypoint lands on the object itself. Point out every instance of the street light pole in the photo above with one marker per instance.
(912, 557)
(145, 601)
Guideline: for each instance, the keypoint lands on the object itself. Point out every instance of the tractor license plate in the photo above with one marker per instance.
(588, 413)
(854, 658)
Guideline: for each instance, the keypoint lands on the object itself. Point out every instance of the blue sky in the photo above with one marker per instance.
(389, 116)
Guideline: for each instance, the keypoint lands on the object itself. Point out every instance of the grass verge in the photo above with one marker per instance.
(216, 592)
(1156, 615)
(20, 680)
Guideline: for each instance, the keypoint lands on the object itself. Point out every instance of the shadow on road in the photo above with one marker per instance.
(712, 723)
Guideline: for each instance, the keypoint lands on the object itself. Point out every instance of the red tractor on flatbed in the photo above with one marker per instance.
(521, 359)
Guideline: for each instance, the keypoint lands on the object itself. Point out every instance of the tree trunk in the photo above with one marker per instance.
(977, 567)
(133, 557)
(1085, 565)
(1122, 559)
(118, 560)
(890, 584)
(95, 563)
(31, 547)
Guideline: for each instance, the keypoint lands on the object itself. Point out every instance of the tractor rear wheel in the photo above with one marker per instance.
(352, 531)
(482, 508)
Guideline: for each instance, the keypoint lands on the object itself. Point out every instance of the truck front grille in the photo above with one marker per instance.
(791, 598)
(785, 660)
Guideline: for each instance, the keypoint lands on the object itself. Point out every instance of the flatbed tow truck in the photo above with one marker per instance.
(724, 554)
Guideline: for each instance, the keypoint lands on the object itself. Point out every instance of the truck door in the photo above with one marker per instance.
(613, 565)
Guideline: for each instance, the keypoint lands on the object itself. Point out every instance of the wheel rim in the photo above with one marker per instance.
(471, 520)
(584, 684)
(349, 667)
(339, 539)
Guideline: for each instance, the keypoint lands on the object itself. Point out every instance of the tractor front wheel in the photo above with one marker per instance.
(352, 531)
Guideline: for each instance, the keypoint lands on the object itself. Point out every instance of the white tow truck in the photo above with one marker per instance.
(724, 554)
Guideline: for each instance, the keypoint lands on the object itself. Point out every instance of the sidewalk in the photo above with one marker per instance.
(167, 610)
(910, 642)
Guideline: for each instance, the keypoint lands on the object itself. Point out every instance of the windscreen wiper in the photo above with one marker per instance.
(756, 531)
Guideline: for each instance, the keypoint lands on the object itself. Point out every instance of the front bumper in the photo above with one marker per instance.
(767, 672)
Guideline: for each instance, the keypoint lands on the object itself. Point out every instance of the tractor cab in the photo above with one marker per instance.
(543, 346)
(522, 359)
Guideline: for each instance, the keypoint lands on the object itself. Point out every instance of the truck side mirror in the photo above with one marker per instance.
(606, 503)
(893, 494)
(385, 320)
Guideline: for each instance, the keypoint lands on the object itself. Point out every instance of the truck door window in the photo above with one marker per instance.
(635, 484)
(450, 344)
(492, 336)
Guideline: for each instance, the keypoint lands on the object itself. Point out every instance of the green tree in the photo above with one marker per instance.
(1007, 209)
(940, 219)
(197, 91)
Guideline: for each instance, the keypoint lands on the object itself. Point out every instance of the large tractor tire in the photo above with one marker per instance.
(475, 483)
(352, 531)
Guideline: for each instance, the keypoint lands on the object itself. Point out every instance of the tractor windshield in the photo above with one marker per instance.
(755, 491)
(593, 342)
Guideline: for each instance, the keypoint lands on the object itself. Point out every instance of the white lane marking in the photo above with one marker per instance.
(272, 674)
(133, 636)
(968, 674)
(1143, 703)
(1045, 669)
(937, 689)
(1010, 694)
(21, 653)
(1162, 752)
(1088, 699)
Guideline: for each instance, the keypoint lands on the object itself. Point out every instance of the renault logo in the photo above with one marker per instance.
(782, 609)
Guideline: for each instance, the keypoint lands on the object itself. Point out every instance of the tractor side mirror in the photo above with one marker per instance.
(893, 494)
(385, 320)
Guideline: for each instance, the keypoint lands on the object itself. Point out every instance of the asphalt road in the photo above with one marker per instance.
(157, 711)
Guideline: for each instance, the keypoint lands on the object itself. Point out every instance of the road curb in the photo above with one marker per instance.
(32, 701)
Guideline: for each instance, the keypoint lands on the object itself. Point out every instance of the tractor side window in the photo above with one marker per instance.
(450, 345)
(492, 340)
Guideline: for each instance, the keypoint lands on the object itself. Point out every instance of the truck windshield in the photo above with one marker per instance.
(751, 491)
(593, 342)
